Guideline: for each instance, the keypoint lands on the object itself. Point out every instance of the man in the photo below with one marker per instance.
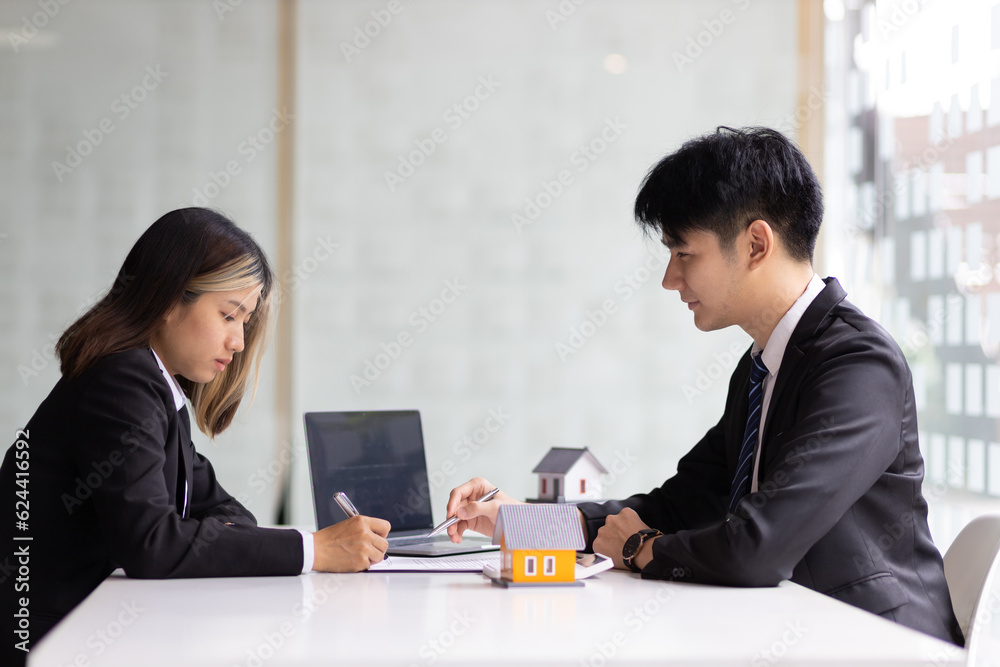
(813, 473)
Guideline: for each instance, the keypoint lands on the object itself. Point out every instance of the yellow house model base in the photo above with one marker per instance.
(503, 583)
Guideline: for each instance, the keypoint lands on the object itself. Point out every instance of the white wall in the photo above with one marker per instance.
(65, 240)
(494, 348)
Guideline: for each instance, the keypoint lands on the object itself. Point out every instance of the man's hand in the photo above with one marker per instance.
(352, 545)
(480, 517)
(616, 529)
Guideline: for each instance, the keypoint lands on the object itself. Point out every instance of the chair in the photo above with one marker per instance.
(973, 575)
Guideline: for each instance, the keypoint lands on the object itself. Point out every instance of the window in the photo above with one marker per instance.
(583, 486)
(545, 485)
(915, 197)
(529, 566)
(549, 566)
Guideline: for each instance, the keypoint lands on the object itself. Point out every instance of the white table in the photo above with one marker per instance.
(461, 619)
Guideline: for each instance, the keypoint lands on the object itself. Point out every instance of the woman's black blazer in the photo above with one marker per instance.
(102, 486)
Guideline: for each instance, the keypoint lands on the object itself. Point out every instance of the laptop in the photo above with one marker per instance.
(377, 458)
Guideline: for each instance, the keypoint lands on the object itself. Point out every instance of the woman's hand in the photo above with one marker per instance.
(352, 545)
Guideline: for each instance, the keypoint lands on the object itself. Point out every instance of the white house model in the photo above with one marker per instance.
(568, 474)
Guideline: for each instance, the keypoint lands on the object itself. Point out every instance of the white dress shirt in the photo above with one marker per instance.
(308, 546)
(773, 353)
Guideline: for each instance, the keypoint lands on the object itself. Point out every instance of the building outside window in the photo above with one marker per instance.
(912, 178)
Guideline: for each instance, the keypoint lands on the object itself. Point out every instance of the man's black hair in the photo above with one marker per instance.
(722, 182)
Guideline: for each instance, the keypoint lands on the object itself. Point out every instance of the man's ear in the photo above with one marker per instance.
(761, 240)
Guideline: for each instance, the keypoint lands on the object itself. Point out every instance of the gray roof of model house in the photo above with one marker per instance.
(560, 459)
(541, 526)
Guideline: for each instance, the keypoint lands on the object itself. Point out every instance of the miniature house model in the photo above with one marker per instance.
(538, 543)
(569, 474)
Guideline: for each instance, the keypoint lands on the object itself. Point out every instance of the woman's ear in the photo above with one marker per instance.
(172, 316)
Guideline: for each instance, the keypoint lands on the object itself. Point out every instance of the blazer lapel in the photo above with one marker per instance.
(800, 340)
(184, 465)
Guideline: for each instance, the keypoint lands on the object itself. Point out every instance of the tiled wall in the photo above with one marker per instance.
(179, 90)
(506, 342)
(538, 101)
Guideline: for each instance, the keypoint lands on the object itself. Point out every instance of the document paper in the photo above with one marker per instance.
(442, 564)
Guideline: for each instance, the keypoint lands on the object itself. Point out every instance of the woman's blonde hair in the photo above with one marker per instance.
(183, 255)
(215, 402)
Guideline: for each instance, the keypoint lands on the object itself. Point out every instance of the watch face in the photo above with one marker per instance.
(632, 545)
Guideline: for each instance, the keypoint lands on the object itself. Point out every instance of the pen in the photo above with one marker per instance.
(452, 520)
(349, 509)
(345, 504)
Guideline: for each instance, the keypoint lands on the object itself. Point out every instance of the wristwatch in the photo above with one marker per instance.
(634, 543)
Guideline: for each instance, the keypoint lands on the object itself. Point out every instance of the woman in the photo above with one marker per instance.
(105, 474)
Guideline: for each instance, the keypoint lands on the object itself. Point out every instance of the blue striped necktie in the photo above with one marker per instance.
(757, 373)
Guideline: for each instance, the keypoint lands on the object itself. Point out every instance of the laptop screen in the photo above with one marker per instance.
(377, 459)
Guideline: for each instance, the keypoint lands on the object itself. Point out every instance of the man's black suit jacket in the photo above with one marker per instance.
(839, 507)
(108, 458)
